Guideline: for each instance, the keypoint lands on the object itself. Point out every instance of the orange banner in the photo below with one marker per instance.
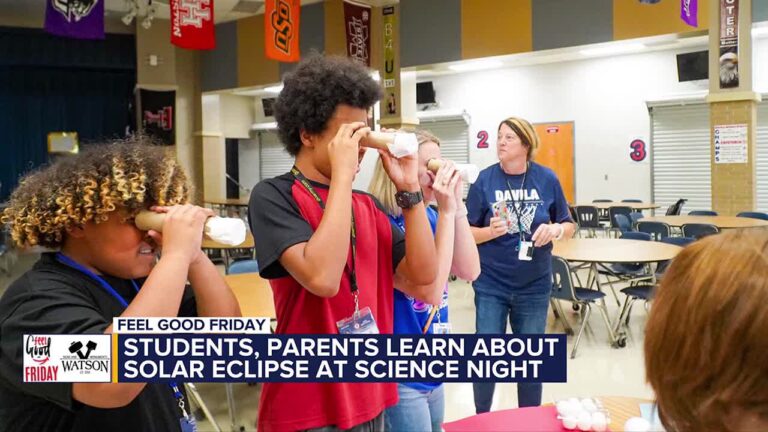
(281, 24)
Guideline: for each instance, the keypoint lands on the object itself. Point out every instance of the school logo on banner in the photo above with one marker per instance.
(158, 110)
(281, 25)
(192, 24)
(79, 19)
(357, 20)
(67, 358)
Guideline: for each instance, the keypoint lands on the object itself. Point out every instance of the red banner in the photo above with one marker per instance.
(357, 21)
(192, 24)
(281, 27)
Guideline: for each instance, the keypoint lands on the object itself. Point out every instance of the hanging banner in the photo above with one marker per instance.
(192, 24)
(281, 27)
(357, 21)
(158, 109)
(391, 68)
(729, 43)
(75, 19)
(689, 12)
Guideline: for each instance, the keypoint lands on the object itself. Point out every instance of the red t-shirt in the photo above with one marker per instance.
(283, 213)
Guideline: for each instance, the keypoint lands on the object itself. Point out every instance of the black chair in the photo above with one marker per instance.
(615, 211)
(702, 213)
(676, 208)
(564, 289)
(626, 272)
(603, 212)
(588, 219)
(657, 230)
(753, 215)
(698, 231)
(631, 200)
(635, 217)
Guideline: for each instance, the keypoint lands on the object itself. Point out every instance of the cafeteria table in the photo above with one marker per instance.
(254, 295)
(632, 205)
(612, 251)
(226, 249)
(234, 205)
(722, 222)
(544, 418)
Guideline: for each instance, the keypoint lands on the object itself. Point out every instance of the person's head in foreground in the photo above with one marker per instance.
(706, 348)
(321, 95)
(84, 205)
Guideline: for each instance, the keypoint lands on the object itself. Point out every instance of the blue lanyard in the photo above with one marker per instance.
(69, 262)
(104, 284)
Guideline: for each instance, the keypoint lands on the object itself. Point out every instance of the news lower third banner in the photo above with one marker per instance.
(242, 349)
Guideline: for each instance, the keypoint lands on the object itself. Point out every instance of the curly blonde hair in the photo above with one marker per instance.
(129, 175)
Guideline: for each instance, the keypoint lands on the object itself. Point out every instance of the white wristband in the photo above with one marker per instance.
(562, 232)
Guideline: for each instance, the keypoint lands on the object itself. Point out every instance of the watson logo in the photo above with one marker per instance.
(67, 358)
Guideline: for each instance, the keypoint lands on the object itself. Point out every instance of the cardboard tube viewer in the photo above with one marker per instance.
(469, 172)
(399, 144)
(229, 231)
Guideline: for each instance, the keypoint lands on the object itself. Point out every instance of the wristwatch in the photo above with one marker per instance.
(407, 200)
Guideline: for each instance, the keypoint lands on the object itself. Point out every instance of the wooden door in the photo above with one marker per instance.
(556, 152)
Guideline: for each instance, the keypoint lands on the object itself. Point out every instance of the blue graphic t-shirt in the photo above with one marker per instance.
(539, 201)
(410, 314)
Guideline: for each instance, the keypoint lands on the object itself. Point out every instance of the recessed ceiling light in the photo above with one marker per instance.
(476, 65)
(613, 49)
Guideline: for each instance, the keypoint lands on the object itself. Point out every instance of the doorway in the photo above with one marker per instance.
(556, 152)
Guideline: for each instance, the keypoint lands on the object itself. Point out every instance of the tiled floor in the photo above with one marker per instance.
(597, 370)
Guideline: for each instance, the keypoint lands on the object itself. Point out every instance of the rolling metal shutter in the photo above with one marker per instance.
(454, 138)
(273, 158)
(680, 152)
(761, 169)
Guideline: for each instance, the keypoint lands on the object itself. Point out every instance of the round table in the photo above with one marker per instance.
(544, 418)
(722, 222)
(240, 202)
(229, 206)
(600, 251)
(632, 205)
(211, 244)
(614, 250)
(253, 293)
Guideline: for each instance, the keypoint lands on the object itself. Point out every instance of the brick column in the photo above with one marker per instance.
(733, 183)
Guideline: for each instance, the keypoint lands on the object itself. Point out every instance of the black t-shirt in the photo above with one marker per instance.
(53, 298)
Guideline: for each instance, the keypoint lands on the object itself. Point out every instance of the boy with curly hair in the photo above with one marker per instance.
(104, 267)
(331, 253)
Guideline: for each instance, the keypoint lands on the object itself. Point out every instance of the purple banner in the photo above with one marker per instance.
(689, 12)
(79, 19)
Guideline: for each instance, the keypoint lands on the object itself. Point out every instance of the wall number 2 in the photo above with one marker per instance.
(638, 153)
(482, 138)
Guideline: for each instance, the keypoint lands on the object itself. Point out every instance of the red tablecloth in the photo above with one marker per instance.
(539, 419)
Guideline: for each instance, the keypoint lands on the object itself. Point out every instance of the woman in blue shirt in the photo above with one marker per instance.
(421, 405)
(516, 208)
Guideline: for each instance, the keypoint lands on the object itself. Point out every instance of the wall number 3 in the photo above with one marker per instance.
(482, 137)
(638, 150)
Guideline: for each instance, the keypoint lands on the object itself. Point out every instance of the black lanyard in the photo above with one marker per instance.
(352, 233)
(69, 262)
